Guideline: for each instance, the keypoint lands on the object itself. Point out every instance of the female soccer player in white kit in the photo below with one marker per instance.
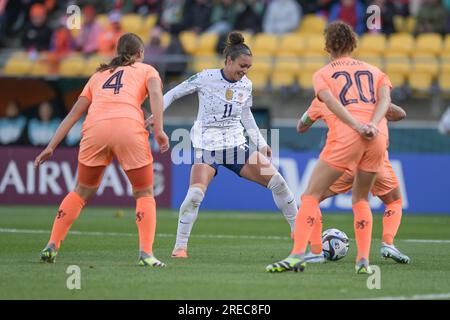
(225, 99)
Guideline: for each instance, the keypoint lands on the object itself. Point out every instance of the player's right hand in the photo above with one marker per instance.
(43, 156)
(163, 140)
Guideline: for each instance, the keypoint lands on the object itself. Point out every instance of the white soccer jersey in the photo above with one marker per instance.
(221, 105)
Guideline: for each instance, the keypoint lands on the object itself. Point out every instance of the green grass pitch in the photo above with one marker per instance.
(228, 254)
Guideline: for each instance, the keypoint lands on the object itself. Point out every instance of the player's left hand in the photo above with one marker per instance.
(43, 156)
(163, 140)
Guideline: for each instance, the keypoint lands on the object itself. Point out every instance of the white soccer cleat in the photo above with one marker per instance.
(390, 251)
(314, 258)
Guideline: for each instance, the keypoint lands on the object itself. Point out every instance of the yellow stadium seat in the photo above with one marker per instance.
(102, 20)
(312, 62)
(425, 63)
(17, 65)
(165, 39)
(131, 23)
(92, 64)
(39, 69)
(444, 82)
(264, 44)
(397, 63)
(446, 48)
(189, 41)
(445, 64)
(207, 43)
(428, 43)
(410, 24)
(315, 44)
(400, 43)
(305, 80)
(374, 43)
(312, 23)
(291, 44)
(262, 64)
(399, 23)
(259, 78)
(420, 81)
(282, 79)
(72, 66)
(150, 21)
(286, 65)
(397, 79)
(202, 62)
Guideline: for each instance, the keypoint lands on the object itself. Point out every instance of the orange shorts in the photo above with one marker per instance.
(350, 151)
(386, 181)
(124, 138)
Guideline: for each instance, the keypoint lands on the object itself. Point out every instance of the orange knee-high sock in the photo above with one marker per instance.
(363, 228)
(316, 235)
(68, 212)
(391, 220)
(146, 223)
(305, 221)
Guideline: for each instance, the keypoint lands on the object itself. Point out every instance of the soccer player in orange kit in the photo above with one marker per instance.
(386, 187)
(114, 126)
(359, 95)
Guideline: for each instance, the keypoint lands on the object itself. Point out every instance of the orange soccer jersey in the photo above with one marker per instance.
(117, 96)
(355, 84)
(386, 180)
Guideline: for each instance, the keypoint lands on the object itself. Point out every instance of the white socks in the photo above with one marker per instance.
(284, 199)
(188, 215)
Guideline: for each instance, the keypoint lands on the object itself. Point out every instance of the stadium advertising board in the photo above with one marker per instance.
(21, 183)
(424, 180)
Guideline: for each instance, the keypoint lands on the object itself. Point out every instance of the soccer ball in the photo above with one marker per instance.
(335, 244)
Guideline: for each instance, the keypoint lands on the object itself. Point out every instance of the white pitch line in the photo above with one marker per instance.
(434, 296)
(205, 236)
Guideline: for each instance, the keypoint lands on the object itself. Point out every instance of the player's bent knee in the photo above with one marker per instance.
(86, 193)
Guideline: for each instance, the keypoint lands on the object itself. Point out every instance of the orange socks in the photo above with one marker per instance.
(363, 228)
(316, 236)
(68, 212)
(146, 223)
(391, 220)
(307, 217)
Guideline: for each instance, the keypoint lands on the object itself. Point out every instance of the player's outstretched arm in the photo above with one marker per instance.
(304, 123)
(395, 113)
(156, 105)
(80, 107)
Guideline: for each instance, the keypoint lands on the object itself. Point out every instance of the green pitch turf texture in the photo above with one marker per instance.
(228, 254)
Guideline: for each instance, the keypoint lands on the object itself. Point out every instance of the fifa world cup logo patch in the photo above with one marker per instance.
(60, 214)
(310, 221)
(139, 216)
(388, 213)
(361, 224)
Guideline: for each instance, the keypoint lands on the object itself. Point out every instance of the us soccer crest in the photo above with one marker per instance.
(229, 94)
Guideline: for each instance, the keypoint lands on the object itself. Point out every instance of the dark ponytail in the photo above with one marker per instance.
(235, 46)
(128, 48)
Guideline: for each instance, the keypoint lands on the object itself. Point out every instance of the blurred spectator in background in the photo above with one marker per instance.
(249, 16)
(282, 16)
(197, 14)
(142, 7)
(12, 126)
(154, 51)
(171, 16)
(177, 63)
(87, 41)
(74, 135)
(388, 11)
(41, 130)
(36, 36)
(432, 17)
(108, 38)
(444, 124)
(2, 21)
(223, 17)
(62, 44)
(352, 12)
